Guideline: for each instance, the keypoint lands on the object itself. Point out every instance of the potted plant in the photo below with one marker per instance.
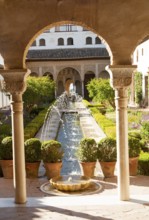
(6, 157)
(52, 154)
(87, 155)
(32, 157)
(107, 155)
(134, 152)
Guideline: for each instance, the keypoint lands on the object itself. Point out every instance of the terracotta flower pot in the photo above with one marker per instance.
(32, 169)
(88, 168)
(7, 168)
(133, 166)
(108, 168)
(53, 169)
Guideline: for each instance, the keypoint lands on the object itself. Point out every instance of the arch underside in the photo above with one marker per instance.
(97, 16)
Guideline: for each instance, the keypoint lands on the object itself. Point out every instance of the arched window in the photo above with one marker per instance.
(34, 44)
(70, 41)
(88, 40)
(42, 42)
(97, 40)
(60, 41)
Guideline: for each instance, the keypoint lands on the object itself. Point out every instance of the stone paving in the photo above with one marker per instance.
(104, 205)
(100, 206)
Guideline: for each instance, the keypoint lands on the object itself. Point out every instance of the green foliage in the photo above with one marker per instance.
(85, 102)
(134, 134)
(107, 125)
(32, 150)
(143, 165)
(33, 127)
(87, 150)
(107, 150)
(138, 87)
(145, 131)
(39, 90)
(101, 91)
(51, 151)
(134, 119)
(6, 149)
(5, 129)
(145, 145)
(134, 147)
(5, 125)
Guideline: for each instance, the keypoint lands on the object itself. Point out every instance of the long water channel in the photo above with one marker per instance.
(69, 135)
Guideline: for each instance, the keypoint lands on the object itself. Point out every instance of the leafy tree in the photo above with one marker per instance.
(138, 87)
(101, 91)
(39, 90)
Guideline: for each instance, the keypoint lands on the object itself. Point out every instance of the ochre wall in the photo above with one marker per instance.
(122, 24)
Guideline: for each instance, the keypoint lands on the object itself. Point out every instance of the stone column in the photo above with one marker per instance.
(97, 71)
(132, 92)
(40, 71)
(14, 82)
(82, 78)
(145, 90)
(121, 77)
(82, 88)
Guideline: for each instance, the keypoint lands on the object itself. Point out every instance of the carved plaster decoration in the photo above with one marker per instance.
(14, 80)
(47, 69)
(89, 68)
(120, 76)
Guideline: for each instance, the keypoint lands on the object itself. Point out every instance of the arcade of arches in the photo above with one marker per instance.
(79, 74)
(115, 21)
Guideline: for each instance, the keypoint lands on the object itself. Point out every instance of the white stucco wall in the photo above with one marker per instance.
(141, 57)
(79, 38)
(4, 101)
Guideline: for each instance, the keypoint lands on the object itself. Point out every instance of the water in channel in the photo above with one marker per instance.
(69, 135)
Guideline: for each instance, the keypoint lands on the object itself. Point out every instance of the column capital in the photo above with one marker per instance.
(121, 75)
(15, 80)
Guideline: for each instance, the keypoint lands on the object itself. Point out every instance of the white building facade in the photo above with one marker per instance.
(4, 100)
(141, 59)
(68, 54)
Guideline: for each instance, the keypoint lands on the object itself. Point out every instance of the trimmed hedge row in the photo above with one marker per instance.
(143, 165)
(107, 125)
(33, 127)
(89, 105)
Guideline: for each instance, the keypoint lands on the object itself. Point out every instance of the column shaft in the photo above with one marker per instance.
(122, 143)
(83, 89)
(132, 90)
(18, 149)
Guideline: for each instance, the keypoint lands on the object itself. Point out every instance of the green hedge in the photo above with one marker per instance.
(107, 125)
(143, 165)
(89, 105)
(33, 127)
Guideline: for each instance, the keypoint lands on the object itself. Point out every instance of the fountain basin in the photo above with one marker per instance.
(70, 182)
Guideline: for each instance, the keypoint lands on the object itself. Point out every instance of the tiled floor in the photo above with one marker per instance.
(104, 205)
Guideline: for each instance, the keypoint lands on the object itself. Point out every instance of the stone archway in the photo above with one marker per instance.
(104, 75)
(34, 74)
(50, 75)
(60, 87)
(78, 87)
(67, 76)
(67, 85)
(122, 42)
